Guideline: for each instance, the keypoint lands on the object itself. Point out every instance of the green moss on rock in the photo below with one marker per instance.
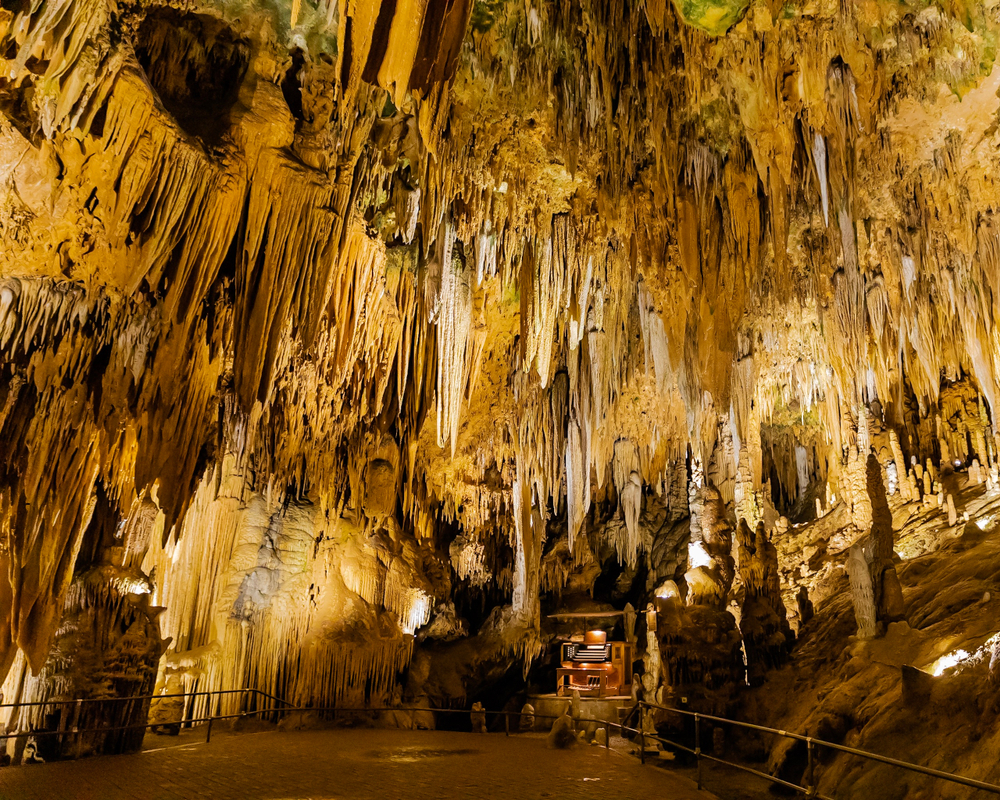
(715, 17)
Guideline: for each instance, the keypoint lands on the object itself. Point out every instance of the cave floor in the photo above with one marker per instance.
(341, 764)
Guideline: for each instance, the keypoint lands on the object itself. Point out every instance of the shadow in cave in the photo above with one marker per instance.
(196, 64)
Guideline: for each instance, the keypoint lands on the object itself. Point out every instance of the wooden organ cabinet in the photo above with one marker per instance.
(595, 667)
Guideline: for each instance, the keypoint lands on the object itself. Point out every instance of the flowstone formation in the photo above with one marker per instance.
(342, 343)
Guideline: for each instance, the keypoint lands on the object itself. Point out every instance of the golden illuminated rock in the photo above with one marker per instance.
(365, 334)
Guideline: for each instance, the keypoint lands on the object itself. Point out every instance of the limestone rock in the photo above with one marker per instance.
(478, 718)
(562, 735)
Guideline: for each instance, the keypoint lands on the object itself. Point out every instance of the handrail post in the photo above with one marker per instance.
(76, 729)
(506, 723)
(208, 735)
(810, 783)
(697, 746)
(642, 735)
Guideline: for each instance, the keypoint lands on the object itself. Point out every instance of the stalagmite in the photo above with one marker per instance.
(907, 490)
(856, 490)
(892, 479)
(763, 621)
(652, 661)
(527, 718)
(478, 718)
(862, 593)
(885, 583)
(746, 493)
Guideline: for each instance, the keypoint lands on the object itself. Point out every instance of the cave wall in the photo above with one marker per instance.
(349, 309)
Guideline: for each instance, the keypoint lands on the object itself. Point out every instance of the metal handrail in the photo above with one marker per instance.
(117, 728)
(269, 696)
(132, 697)
(811, 742)
(290, 708)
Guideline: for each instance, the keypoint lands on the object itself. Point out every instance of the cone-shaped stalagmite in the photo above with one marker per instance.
(885, 583)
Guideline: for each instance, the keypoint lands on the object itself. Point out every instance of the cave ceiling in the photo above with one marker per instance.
(383, 278)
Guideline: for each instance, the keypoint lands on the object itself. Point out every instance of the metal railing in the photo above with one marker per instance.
(809, 790)
(280, 707)
(76, 732)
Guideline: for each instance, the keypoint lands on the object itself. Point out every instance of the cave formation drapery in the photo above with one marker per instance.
(340, 338)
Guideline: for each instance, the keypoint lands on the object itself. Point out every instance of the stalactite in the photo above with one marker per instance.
(656, 347)
(576, 478)
(266, 594)
(629, 486)
(260, 270)
(526, 556)
(468, 558)
(454, 322)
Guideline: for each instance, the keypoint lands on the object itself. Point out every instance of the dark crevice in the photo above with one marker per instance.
(196, 64)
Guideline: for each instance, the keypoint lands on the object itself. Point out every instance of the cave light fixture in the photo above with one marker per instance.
(946, 662)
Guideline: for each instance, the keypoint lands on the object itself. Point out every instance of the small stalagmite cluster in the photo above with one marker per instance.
(342, 342)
